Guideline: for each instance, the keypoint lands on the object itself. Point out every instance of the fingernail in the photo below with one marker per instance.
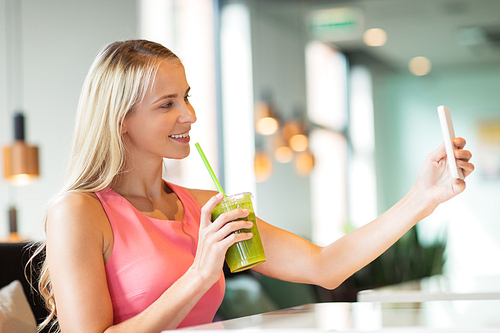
(219, 195)
(246, 211)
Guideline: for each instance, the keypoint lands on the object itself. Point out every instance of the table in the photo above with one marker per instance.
(436, 288)
(432, 316)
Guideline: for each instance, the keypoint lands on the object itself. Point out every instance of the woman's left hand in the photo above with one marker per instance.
(435, 181)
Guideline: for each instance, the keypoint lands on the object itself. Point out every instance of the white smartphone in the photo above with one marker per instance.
(449, 135)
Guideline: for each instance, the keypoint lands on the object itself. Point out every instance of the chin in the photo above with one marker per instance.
(178, 155)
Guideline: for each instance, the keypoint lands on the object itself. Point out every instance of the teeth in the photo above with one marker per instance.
(185, 135)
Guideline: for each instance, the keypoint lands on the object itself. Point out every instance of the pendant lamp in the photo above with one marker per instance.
(20, 160)
(20, 165)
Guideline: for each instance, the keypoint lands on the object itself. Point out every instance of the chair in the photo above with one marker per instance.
(13, 260)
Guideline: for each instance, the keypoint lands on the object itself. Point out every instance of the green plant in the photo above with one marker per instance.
(406, 260)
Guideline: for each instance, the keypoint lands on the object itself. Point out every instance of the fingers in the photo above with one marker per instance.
(214, 238)
(461, 154)
(462, 157)
(230, 216)
(231, 227)
(466, 167)
(459, 142)
(228, 234)
(458, 186)
(226, 223)
(438, 154)
(235, 237)
(206, 210)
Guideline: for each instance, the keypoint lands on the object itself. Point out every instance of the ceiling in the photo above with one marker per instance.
(448, 32)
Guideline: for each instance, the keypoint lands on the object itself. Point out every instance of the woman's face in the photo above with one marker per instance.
(159, 126)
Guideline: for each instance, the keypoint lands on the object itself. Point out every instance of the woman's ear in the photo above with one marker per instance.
(123, 127)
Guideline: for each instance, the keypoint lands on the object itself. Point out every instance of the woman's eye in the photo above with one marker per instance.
(186, 98)
(166, 105)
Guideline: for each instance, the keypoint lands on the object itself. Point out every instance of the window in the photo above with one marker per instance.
(342, 141)
(187, 28)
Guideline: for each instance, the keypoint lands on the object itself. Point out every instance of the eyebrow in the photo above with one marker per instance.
(170, 96)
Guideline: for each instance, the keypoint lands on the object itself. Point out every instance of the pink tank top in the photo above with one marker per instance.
(149, 255)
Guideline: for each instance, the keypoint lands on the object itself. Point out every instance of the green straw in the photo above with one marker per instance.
(209, 168)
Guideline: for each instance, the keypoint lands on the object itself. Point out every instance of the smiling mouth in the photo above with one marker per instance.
(180, 136)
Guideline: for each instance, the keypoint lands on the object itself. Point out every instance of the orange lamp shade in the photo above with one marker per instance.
(20, 162)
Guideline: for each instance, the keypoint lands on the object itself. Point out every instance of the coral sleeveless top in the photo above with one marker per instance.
(149, 255)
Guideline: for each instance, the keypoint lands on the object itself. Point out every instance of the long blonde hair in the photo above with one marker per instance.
(117, 81)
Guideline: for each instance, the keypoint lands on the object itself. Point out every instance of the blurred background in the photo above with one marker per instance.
(324, 110)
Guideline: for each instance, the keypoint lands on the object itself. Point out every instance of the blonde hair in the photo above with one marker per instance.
(117, 81)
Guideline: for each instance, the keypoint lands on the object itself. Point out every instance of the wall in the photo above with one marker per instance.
(60, 40)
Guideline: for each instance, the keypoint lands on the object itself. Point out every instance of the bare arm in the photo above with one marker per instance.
(294, 259)
(77, 232)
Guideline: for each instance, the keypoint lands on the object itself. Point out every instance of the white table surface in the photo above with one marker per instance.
(432, 316)
(436, 288)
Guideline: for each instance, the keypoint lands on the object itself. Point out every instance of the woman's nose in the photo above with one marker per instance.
(188, 115)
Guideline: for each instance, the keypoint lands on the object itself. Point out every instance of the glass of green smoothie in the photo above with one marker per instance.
(245, 254)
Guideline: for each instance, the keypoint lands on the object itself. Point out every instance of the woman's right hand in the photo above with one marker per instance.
(214, 238)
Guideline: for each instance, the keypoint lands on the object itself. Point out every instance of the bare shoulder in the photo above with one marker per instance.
(75, 212)
(79, 240)
(74, 204)
(74, 199)
(202, 196)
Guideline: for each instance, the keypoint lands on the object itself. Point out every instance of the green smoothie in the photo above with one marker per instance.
(248, 253)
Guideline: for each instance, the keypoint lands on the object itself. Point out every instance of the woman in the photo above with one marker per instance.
(127, 251)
